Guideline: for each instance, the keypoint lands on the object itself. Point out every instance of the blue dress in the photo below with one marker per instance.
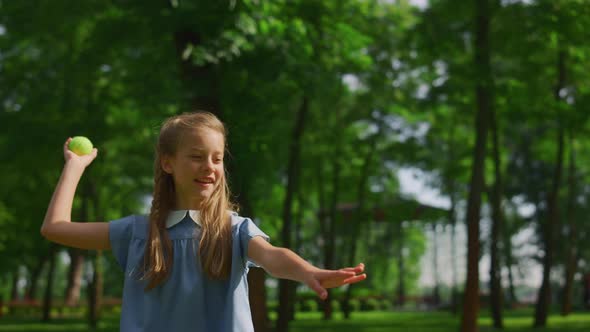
(187, 300)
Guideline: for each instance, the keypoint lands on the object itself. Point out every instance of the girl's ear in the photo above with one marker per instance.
(166, 164)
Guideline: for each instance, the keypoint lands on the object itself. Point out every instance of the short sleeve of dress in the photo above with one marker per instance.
(120, 234)
(248, 230)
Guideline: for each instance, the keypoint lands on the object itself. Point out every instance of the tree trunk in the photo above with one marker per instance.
(496, 300)
(95, 285)
(257, 297)
(483, 97)
(298, 216)
(13, 289)
(287, 287)
(360, 213)
(329, 249)
(95, 289)
(454, 287)
(507, 252)
(14, 284)
(48, 297)
(31, 293)
(72, 294)
(324, 220)
(452, 219)
(328, 215)
(571, 259)
(436, 289)
(544, 296)
(201, 81)
(401, 288)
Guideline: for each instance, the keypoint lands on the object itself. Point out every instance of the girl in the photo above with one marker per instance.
(186, 263)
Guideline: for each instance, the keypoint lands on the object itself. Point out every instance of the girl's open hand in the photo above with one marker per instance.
(71, 157)
(319, 280)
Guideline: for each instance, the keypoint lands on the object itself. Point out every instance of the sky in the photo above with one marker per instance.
(419, 3)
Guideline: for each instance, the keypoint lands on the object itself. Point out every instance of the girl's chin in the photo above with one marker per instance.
(202, 195)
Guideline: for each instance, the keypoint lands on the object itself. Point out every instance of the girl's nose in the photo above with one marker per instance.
(209, 164)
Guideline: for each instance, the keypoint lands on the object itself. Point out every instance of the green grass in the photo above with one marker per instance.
(377, 321)
(517, 321)
(380, 321)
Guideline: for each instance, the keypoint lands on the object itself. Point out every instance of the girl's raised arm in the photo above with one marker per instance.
(57, 225)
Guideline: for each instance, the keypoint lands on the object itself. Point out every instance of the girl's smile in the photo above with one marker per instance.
(204, 184)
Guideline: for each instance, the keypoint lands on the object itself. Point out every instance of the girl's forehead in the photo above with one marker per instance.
(201, 140)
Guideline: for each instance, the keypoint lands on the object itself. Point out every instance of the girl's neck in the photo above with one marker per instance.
(186, 205)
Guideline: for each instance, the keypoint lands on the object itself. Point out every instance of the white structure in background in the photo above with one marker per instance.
(412, 182)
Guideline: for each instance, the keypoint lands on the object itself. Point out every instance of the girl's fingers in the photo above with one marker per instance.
(335, 278)
(340, 274)
(358, 269)
(355, 279)
(317, 287)
(360, 266)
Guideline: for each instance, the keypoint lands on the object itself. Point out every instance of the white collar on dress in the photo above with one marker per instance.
(176, 216)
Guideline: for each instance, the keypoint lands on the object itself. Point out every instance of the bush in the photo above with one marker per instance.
(355, 305)
(386, 304)
(309, 305)
(370, 304)
(335, 304)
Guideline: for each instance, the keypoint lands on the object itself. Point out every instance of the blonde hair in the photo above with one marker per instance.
(215, 245)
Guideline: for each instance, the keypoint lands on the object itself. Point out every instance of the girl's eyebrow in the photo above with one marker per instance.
(202, 150)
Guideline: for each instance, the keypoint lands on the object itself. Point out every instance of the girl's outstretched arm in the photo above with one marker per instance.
(57, 225)
(285, 264)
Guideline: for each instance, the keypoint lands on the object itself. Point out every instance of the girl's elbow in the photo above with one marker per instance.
(46, 232)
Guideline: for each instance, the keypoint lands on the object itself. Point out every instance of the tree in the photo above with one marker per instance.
(484, 104)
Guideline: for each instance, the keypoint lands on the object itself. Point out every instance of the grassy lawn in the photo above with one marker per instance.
(518, 321)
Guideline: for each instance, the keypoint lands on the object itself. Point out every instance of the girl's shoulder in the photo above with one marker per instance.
(238, 221)
(139, 226)
(243, 225)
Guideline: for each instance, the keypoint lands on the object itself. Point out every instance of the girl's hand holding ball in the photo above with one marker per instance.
(80, 145)
(79, 150)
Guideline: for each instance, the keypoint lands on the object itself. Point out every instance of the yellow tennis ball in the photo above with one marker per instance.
(80, 145)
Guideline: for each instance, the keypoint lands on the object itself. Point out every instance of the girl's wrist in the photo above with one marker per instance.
(308, 271)
(73, 166)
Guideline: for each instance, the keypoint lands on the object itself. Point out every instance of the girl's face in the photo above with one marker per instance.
(197, 167)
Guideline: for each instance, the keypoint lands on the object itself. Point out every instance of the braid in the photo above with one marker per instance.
(158, 253)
